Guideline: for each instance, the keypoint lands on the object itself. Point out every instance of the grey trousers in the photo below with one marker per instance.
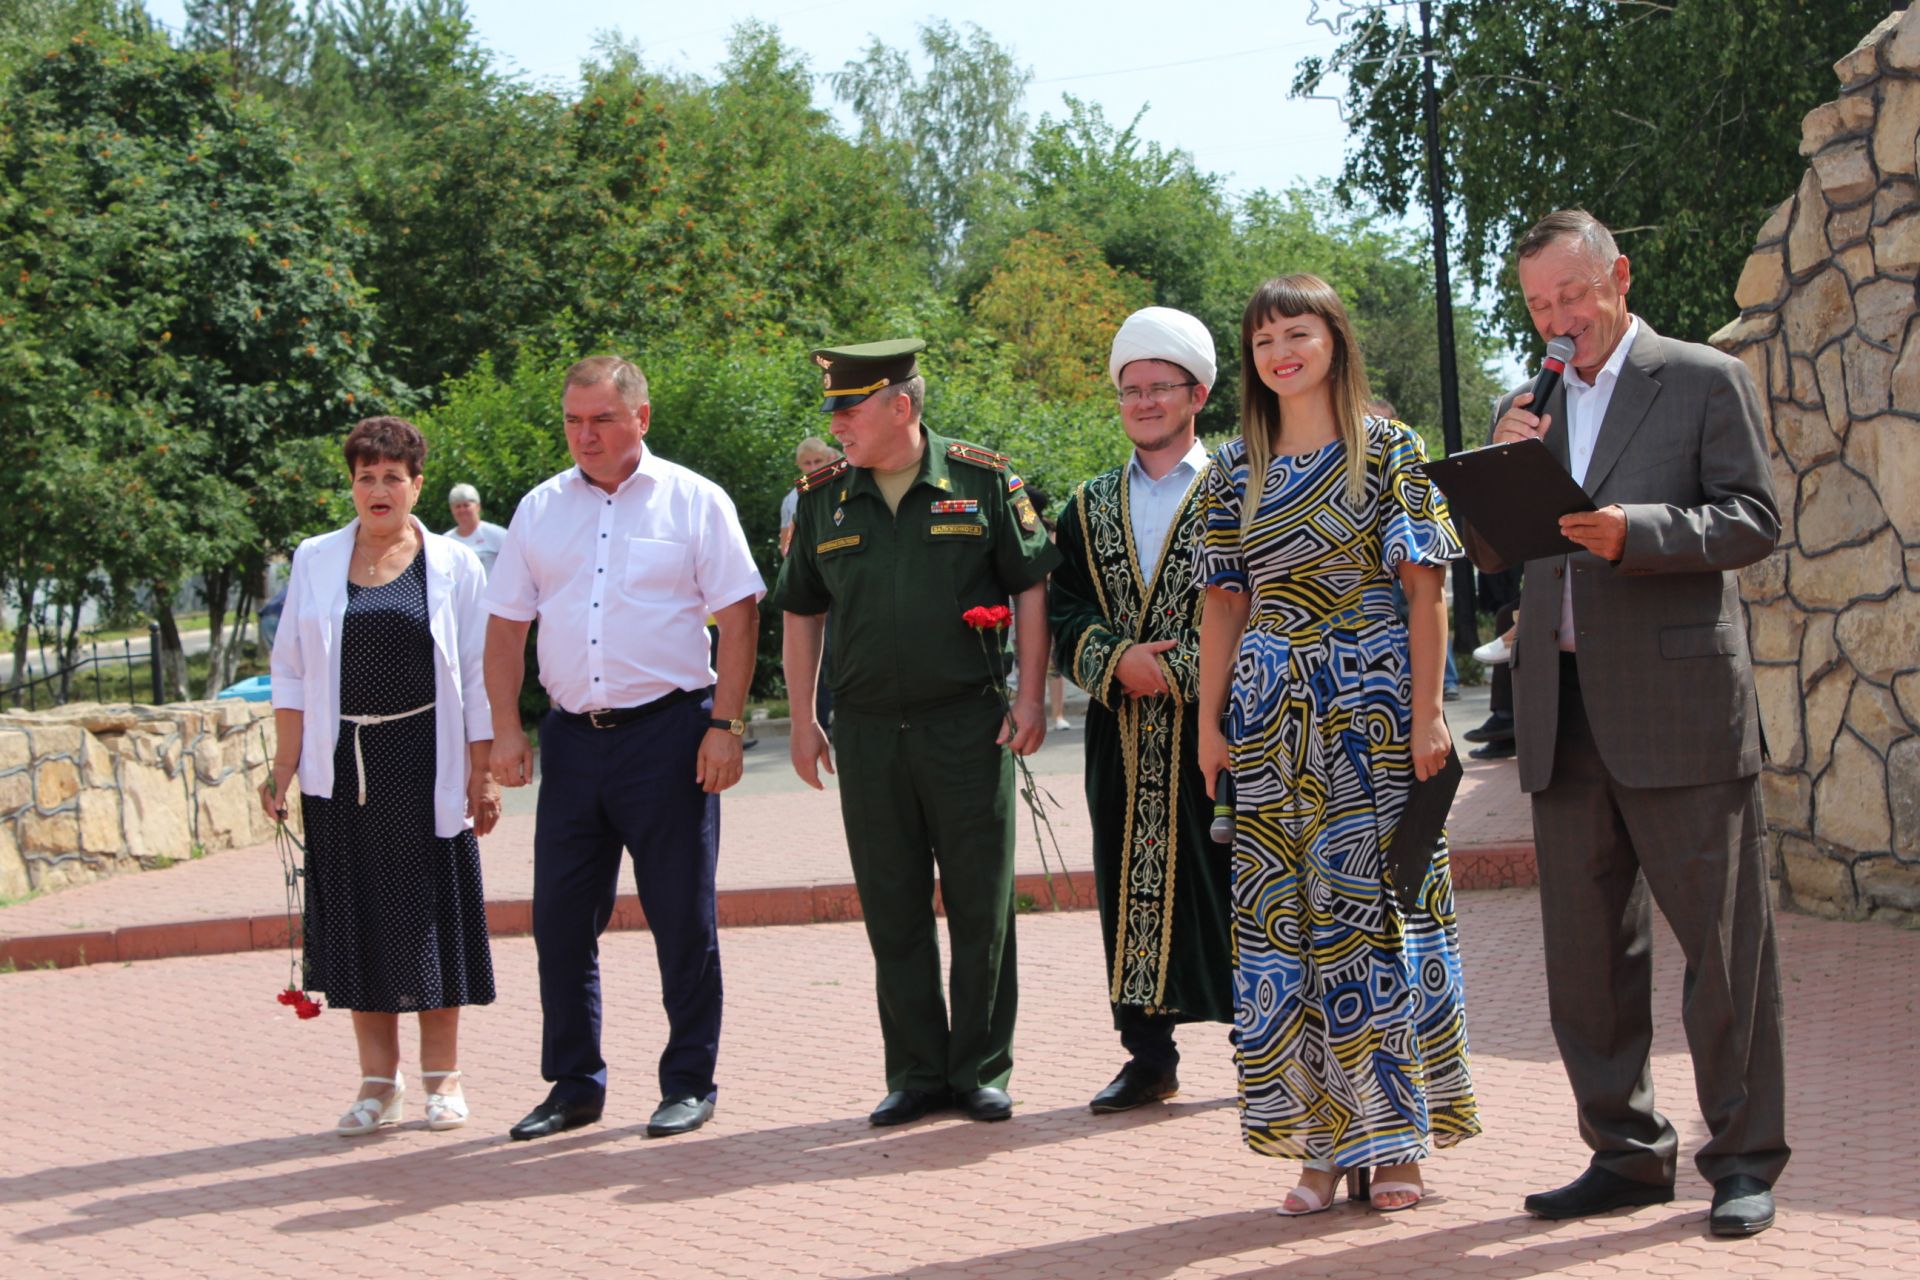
(1608, 853)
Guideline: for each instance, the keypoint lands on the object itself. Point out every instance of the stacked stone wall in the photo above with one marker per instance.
(88, 791)
(1830, 329)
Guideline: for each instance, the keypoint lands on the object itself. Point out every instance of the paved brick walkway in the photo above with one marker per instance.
(166, 1119)
(783, 860)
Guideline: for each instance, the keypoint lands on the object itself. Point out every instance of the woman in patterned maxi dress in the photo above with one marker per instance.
(1350, 1017)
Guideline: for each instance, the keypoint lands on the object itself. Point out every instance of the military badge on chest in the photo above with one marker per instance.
(956, 506)
(839, 515)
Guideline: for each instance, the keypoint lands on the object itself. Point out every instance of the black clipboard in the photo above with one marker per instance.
(1513, 495)
(1417, 835)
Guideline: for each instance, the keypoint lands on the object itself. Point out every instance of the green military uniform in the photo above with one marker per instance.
(922, 783)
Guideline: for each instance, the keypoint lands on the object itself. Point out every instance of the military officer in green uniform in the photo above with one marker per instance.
(898, 538)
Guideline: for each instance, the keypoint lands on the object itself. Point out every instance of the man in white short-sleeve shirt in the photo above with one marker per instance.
(621, 559)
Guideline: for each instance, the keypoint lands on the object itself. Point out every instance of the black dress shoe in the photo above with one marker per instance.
(903, 1106)
(985, 1104)
(1497, 727)
(1135, 1086)
(1742, 1206)
(1494, 751)
(554, 1115)
(1596, 1191)
(679, 1115)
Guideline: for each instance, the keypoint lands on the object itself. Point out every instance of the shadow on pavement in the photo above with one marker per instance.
(483, 1169)
(1169, 1249)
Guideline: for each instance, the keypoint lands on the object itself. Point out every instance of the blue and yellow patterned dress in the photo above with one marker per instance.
(1350, 1020)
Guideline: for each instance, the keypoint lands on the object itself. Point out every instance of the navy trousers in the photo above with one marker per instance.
(601, 789)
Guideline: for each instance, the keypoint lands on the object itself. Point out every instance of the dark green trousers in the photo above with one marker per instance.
(922, 791)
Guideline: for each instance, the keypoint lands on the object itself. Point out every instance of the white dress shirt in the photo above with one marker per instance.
(1586, 409)
(484, 543)
(306, 662)
(623, 582)
(1153, 505)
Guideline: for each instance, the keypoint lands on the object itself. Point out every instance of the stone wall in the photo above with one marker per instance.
(1828, 328)
(88, 791)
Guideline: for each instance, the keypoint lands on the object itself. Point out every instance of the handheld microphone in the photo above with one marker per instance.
(1222, 828)
(1559, 352)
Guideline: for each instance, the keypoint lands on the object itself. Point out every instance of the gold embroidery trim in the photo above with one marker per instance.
(834, 544)
(969, 530)
(856, 391)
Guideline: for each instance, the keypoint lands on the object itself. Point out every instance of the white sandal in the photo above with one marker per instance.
(369, 1114)
(1356, 1181)
(1417, 1190)
(445, 1110)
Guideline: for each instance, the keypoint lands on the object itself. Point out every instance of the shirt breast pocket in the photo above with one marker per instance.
(656, 569)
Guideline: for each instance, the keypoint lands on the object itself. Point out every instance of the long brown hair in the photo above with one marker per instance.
(1301, 295)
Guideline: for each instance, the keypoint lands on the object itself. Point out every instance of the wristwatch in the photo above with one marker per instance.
(734, 727)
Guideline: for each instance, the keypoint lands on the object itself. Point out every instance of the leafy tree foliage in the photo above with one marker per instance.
(1055, 302)
(953, 137)
(229, 253)
(1676, 124)
(186, 306)
(265, 41)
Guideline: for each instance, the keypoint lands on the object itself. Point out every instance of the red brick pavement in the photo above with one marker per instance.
(783, 860)
(166, 1119)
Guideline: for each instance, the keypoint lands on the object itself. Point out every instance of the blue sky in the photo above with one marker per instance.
(1216, 86)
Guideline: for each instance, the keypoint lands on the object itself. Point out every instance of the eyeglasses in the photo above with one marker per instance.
(1157, 390)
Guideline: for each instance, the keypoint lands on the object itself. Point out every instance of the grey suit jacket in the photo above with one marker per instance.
(1661, 638)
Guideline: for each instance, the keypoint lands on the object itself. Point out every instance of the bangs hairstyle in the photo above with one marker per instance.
(628, 381)
(1301, 295)
(375, 440)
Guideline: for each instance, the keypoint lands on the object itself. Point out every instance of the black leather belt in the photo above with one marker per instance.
(614, 718)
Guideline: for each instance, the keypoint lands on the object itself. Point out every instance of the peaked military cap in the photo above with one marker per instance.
(856, 372)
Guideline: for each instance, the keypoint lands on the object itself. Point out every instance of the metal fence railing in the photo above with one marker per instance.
(94, 675)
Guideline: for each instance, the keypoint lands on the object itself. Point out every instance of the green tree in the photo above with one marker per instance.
(376, 62)
(266, 43)
(740, 212)
(187, 313)
(1676, 124)
(1153, 213)
(1056, 303)
(952, 137)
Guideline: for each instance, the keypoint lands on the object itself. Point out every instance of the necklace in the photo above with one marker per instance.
(373, 569)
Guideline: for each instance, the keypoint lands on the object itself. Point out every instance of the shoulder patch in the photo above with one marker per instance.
(814, 479)
(979, 457)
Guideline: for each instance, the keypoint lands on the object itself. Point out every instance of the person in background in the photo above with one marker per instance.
(1351, 1030)
(809, 456)
(469, 530)
(1381, 407)
(380, 708)
(1125, 615)
(1056, 683)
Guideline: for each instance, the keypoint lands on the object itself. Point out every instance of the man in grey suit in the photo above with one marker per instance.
(1639, 735)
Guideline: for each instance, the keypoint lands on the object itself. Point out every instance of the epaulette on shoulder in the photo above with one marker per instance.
(978, 456)
(814, 479)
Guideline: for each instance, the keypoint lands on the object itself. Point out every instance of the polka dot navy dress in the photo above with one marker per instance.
(396, 919)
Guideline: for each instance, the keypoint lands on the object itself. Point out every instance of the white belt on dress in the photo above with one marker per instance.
(359, 761)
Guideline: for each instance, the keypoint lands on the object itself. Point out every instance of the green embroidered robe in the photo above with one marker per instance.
(1164, 886)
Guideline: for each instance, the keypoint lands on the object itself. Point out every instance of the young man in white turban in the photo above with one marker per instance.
(1126, 628)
